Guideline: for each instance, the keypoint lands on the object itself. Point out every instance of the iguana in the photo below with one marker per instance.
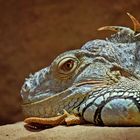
(99, 84)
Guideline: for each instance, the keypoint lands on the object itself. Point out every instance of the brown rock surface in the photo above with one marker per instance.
(34, 32)
(19, 132)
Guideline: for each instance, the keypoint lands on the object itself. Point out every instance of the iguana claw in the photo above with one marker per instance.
(73, 119)
(136, 25)
(112, 28)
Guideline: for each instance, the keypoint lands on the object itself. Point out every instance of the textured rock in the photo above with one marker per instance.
(19, 132)
(34, 32)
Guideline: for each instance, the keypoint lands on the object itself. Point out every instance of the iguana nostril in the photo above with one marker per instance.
(25, 88)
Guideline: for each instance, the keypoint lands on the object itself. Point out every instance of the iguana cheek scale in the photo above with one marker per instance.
(99, 84)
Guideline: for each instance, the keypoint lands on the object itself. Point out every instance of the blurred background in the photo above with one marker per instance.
(34, 32)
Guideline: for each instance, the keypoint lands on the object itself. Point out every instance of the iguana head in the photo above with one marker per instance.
(77, 68)
(74, 74)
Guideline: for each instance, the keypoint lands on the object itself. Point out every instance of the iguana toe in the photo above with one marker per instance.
(73, 119)
(53, 121)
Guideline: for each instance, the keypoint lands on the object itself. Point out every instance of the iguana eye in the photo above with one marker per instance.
(67, 65)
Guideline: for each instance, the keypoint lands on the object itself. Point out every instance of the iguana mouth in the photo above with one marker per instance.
(79, 91)
(95, 82)
(47, 94)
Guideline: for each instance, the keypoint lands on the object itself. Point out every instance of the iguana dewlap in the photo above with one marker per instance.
(99, 83)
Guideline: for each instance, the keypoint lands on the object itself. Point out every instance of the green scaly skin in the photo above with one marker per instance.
(100, 82)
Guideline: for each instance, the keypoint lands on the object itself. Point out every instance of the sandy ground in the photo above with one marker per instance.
(17, 131)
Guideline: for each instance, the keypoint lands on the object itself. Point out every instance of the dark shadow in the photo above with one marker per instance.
(36, 127)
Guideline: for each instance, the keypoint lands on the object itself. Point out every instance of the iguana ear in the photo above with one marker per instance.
(122, 71)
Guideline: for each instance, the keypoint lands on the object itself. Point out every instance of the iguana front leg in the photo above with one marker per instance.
(118, 105)
(66, 118)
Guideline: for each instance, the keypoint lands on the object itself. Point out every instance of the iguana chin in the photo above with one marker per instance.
(99, 84)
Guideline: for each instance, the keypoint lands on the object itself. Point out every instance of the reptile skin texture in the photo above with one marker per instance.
(99, 82)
